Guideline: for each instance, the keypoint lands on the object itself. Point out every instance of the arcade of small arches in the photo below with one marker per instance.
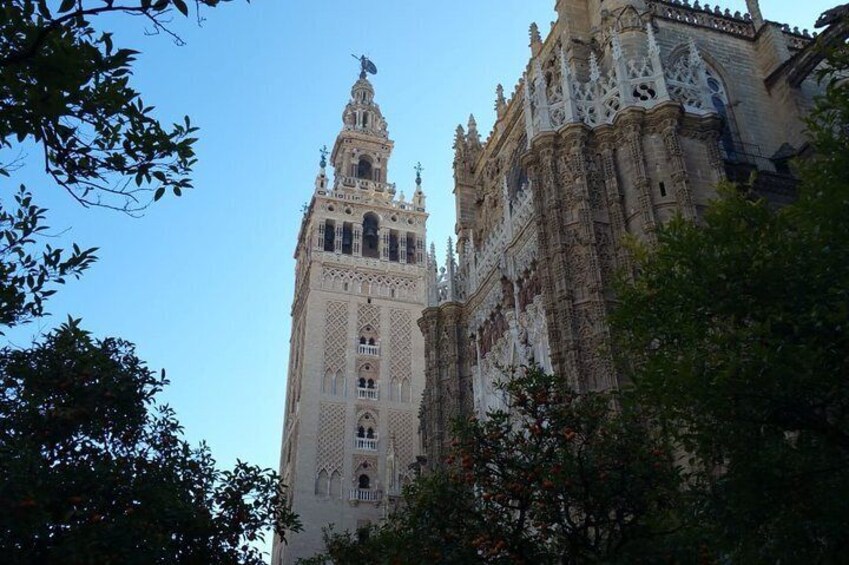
(368, 239)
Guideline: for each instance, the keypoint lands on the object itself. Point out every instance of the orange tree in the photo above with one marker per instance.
(92, 470)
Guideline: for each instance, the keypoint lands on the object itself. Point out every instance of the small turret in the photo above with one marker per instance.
(321, 177)
(419, 196)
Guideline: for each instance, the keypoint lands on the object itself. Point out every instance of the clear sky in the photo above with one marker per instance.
(203, 284)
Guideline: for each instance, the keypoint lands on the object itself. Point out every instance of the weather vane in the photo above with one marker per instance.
(367, 67)
(323, 152)
(418, 168)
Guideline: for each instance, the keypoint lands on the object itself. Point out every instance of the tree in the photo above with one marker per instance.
(92, 470)
(66, 86)
(557, 478)
(737, 330)
(27, 274)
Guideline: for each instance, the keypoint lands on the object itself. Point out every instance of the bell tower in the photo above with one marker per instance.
(356, 361)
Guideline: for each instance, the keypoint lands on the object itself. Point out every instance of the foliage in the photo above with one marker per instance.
(26, 276)
(737, 330)
(92, 470)
(559, 478)
(567, 478)
(66, 86)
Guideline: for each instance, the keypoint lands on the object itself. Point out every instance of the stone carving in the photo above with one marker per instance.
(331, 438)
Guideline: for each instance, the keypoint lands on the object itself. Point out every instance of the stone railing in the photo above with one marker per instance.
(365, 444)
(703, 16)
(364, 349)
(367, 393)
(364, 495)
(365, 184)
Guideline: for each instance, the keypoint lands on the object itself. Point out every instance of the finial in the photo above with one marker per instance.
(595, 73)
(323, 152)
(473, 125)
(653, 47)
(695, 56)
(499, 94)
(616, 44)
(534, 33)
(418, 168)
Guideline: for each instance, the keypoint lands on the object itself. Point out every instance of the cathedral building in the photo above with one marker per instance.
(356, 369)
(628, 113)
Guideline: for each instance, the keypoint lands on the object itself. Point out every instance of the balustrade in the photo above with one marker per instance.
(365, 444)
(362, 495)
(364, 349)
(367, 393)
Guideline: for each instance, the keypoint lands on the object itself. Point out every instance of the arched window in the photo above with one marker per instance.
(393, 246)
(347, 238)
(321, 484)
(361, 431)
(335, 484)
(406, 392)
(370, 433)
(329, 235)
(371, 236)
(720, 103)
(364, 168)
(364, 482)
(361, 383)
(395, 390)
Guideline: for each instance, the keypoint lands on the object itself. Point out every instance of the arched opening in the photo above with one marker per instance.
(393, 246)
(364, 168)
(371, 236)
(347, 238)
(406, 391)
(364, 482)
(335, 484)
(719, 99)
(321, 484)
(329, 235)
(411, 248)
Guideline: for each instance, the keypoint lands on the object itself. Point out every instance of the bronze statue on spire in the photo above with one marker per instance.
(367, 67)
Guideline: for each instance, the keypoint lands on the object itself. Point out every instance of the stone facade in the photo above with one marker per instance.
(356, 363)
(628, 113)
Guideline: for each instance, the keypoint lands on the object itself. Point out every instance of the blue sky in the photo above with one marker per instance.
(203, 284)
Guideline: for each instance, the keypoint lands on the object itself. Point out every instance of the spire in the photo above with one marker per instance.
(419, 195)
(321, 177)
(536, 40)
(432, 285)
(362, 151)
(473, 137)
(450, 270)
(754, 7)
(500, 101)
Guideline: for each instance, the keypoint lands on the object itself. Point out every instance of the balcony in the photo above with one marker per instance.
(367, 394)
(372, 350)
(362, 495)
(365, 444)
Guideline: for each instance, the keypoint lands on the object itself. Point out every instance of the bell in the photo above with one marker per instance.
(370, 231)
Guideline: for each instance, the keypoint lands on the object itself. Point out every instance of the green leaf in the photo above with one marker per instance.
(181, 5)
(159, 192)
(66, 5)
